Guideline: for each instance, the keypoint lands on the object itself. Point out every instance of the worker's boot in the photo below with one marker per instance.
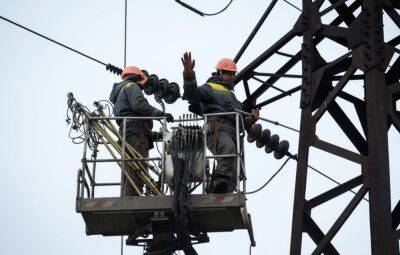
(221, 185)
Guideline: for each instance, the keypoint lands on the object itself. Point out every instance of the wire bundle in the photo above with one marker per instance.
(187, 146)
(101, 131)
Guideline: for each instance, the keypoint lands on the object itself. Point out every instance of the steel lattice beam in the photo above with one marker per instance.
(369, 54)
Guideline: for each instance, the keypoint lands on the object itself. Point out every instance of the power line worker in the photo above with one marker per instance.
(214, 97)
(129, 101)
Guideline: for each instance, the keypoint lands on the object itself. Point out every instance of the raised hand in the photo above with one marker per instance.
(188, 63)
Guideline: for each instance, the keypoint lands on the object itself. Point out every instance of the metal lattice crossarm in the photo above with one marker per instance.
(359, 28)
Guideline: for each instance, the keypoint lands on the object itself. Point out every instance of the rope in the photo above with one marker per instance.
(109, 67)
(200, 12)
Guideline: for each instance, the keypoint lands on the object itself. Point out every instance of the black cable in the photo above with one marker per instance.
(216, 13)
(126, 24)
(294, 6)
(109, 67)
(331, 179)
(311, 167)
(200, 12)
(270, 179)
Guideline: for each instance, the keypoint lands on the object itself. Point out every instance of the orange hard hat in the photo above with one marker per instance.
(134, 70)
(226, 64)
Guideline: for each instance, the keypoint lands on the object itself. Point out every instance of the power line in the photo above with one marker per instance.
(311, 167)
(270, 179)
(109, 67)
(125, 35)
(294, 6)
(216, 13)
(331, 179)
(126, 24)
(200, 12)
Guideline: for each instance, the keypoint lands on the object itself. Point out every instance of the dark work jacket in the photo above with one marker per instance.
(214, 97)
(129, 101)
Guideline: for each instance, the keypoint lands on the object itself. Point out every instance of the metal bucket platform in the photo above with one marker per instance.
(116, 216)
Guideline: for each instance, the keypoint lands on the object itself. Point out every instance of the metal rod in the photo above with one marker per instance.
(237, 153)
(78, 184)
(88, 173)
(246, 88)
(297, 76)
(123, 154)
(334, 192)
(108, 184)
(268, 120)
(276, 98)
(94, 168)
(143, 174)
(205, 131)
(127, 118)
(223, 156)
(264, 82)
(85, 146)
(330, 8)
(255, 30)
(341, 220)
(264, 56)
(122, 169)
(163, 159)
(284, 54)
(120, 160)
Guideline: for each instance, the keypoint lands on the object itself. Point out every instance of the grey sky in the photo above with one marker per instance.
(39, 162)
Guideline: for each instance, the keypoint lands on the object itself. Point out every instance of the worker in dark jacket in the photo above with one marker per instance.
(216, 96)
(129, 101)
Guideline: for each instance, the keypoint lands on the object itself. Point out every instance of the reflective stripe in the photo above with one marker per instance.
(218, 87)
(127, 85)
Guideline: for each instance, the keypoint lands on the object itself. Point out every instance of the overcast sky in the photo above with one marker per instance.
(39, 163)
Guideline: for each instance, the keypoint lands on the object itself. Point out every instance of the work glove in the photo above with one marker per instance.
(255, 114)
(169, 118)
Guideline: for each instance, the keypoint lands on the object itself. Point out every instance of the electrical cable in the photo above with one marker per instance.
(109, 67)
(331, 179)
(200, 12)
(126, 24)
(309, 166)
(270, 179)
(216, 13)
(294, 6)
